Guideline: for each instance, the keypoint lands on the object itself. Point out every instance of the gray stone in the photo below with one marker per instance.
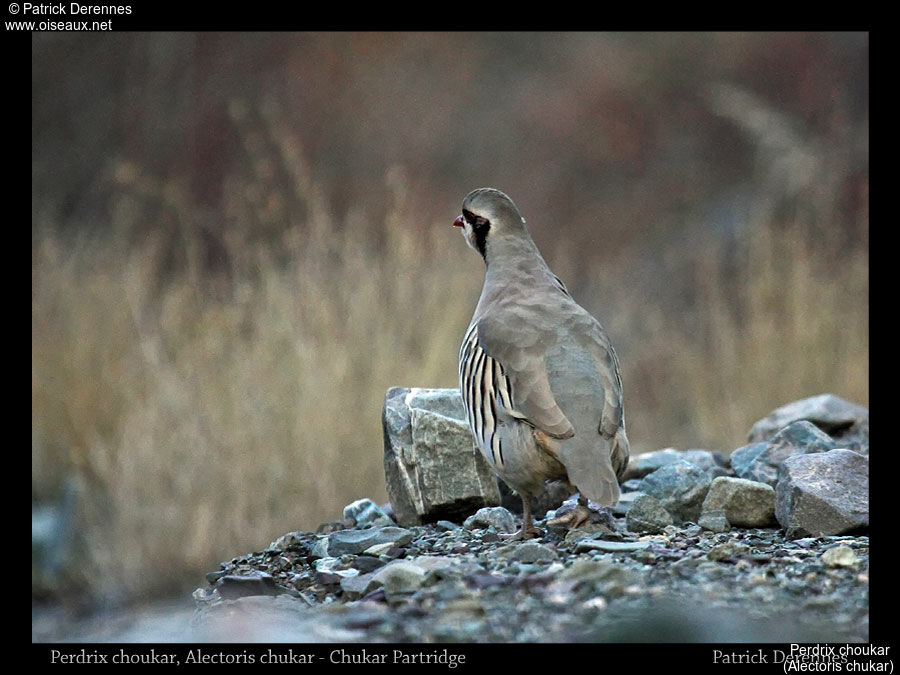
(491, 516)
(379, 549)
(651, 461)
(802, 434)
(586, 570)
(823, 494)
(365, 512)
(714, 462)
(433, 470)
(840, 556)
(609, 546)
(346, 542)
(717, 471)
(844, 421)
(745, 503)
(680, 487)
(233, 586)
(320, 548)
(626, 500)
(528, 552)
(296, 540)
(743, 458)
(760, 461)
(711, 460)
(587, 531)
(367, 563)
(354, 542)
(429, 563)
(356, 587)
(334, 566)
(213, 577)
(714, 521)
(647, 516)
(631, 485)
(398, 578)
(726, 551)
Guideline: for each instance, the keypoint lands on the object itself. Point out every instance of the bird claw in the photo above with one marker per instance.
(577, 517)
(531, 532)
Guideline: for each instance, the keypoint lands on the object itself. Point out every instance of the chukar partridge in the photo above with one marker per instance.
(538, 375)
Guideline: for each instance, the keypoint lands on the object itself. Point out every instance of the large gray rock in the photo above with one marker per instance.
(433, 471)
(745, 503)
(639, 466)
(760, 461)
(823, 494)
(680, 487)
(844, 421)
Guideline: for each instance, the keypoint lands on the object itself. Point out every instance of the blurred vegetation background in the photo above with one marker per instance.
(240, 241)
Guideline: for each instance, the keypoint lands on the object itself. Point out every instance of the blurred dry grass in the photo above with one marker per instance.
(199, 425)
(213, 378)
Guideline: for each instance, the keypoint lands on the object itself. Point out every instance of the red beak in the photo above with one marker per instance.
(459, 222)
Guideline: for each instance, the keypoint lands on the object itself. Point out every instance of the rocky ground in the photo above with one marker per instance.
(766, 544)
(451, 583)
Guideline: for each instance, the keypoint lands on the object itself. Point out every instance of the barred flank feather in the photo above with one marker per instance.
(485, 391)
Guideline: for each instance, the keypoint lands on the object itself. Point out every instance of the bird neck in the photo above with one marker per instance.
(512, 251)
(512, 265)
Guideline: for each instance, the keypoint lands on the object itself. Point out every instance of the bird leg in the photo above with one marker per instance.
(577, 517)
(529, 529)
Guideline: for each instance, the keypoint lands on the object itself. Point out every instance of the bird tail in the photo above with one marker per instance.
(592, 471)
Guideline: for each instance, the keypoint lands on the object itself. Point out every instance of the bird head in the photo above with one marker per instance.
(489, 215)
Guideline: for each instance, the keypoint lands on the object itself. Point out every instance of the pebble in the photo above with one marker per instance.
(365, 513)
(399, 578)
(232, 586)
(491, 516)
(714, 521)
(528, 552)
(647, 516)
(726, 551)
(379, 549)
(840, 556)
(609, 546)
(368, 563)
(446, 525)
(354, 541)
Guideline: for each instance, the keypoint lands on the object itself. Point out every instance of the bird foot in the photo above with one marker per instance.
(577, 517)
(530, 532)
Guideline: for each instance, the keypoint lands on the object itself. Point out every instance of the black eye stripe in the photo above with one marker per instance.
(476, 222)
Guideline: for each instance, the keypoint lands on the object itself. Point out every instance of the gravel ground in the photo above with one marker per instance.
(447, 583)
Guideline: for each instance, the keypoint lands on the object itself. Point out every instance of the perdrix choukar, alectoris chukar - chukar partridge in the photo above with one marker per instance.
(538, 375)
